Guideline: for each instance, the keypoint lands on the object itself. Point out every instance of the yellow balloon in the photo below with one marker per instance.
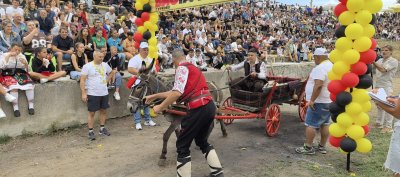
(369, 30)
(354, 31)
(343, 44)
(362, 44)
(360, 96)
(373, 6)
(353, 108)
(336, 130)
(335, 55)
(147, 24)
(366, 107)
(351, 56)
(344, 120)
(363, 145)
(152, 113)
(340, 68)
(144, 1)
(347, 18)
(153, 27)
(153, 5)
(154, 18)
(355, 132)
(153, 49)
(332, 76)
(363, 17)
(138, 5)
(361, 119)
(141, 29)
(152, 41)
(153, 55)
(355, 5)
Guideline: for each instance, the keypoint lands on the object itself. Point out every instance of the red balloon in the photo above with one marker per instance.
(339, 9)
(139, 22)
(350, 80)
(335, 87)
(335, 142)
(359, 68)
(343, 1)
(366, 129)
(137, 36)
(137, 45)
(374, 43)
(368, 56)
(333, 97)
(145, 16)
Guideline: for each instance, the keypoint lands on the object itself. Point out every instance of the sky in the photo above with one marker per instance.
(386, 3)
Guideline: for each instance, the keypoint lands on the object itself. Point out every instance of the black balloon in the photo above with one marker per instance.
(369, 70)
(334, 117)
(147, 8)
(373, 19)
(343, 98)
(348, 145)
(147, 35)
(143, 40)
(365, 82)
(139, 13)
(334, 108)
(340, 32)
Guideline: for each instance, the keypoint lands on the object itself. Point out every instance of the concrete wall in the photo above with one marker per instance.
(58, 104)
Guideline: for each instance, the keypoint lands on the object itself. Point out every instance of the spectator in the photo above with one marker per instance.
(18, 26)
(84, 15)
(115, 41)
(50, 14)
(110, 15)
(317, 96)
(97, 24)
(113, 60)
(8, 98)
(128, 45)
(32, 40)
(8, 37)
(45, 23)
(54, 7)
(94, 78)
(31, 12)
(15, 77)
(68, 14)
(163, 52)
(78, 59)
(98, 40)
(14, 9)
(63, 47)
(218, 61)
(386, 68)
(86, 40)
(42, 67)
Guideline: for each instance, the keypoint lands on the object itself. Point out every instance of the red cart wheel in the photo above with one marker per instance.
(272, 120)
(227, 103)
(302, 107)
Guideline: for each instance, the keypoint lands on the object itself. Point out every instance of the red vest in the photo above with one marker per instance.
(196, 92)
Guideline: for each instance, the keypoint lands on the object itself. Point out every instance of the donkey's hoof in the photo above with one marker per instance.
(224, 135)
(162, 162)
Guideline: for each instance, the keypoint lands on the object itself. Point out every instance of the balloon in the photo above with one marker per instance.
(137, 45)
(138, 6)
(369, 70)
(139, 22)
(374, 44)
(335, 142)
(344, 120)
(359, 68)
(366, 107)
(355, 132)
(360, 96)
(344, 44)
(153, 41)
(335, 56)
(369, 30)
(355, 5)
(339, 9)
(348, 144)
(343, 1)
(343, 98)
(366, 129)
(333, 76)
(147, 7)
(137, 36)
(373, 6)
(153, 28)
(353, 108)
(340, 32)
(147, 24)
(154, 17)
(365, 82)
(139, 13)
(350, 80)
(334, 108)
(153, 55)
(351, 56)
(340, 68)
(336, 87)
(336, 130)
(363, 145)
(334, 117)
(332, 97)
(152, 113)
(368, 57)
(145, 16)
(354, 31)
(153, 49)
(363, 17)
(362, 44)
(144, 1)
(141, 29)
(147, 35)
(347, 18)
(362, 119)
(343, 152)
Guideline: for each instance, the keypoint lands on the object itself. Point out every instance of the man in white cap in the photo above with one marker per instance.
(135, 66)
(317, 96)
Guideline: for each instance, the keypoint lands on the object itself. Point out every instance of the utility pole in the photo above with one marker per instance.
(311, 1)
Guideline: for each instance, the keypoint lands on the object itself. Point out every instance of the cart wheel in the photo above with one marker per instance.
(228, 103)
(302, 107)
(272, 120)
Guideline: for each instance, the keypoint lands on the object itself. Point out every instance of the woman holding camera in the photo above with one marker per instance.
(32, 40)
(15, 77)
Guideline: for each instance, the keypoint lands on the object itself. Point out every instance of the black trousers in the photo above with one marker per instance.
(249, 84)
(195, 125)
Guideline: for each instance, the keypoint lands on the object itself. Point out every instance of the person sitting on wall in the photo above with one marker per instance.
(43, 69)
(255, 73)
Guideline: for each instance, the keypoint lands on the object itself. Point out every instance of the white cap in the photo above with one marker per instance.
(144, 45)
(320, 52)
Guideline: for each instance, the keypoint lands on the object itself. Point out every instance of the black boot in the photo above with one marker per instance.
(213, 162)
(184, 167)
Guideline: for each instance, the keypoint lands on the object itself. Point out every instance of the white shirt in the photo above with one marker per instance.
(162, 48)
(68, 17)
(185, 31)
(110, 17)
(2, 13)
(234, 46)
(320, 72)
(181, 77)
(136, 62)
(201, 41)
(96, 82)
(263, 69)
(192, 60)
(10, 11)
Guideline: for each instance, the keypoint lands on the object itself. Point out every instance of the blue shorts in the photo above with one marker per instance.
(319, 116)
(66, 57)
